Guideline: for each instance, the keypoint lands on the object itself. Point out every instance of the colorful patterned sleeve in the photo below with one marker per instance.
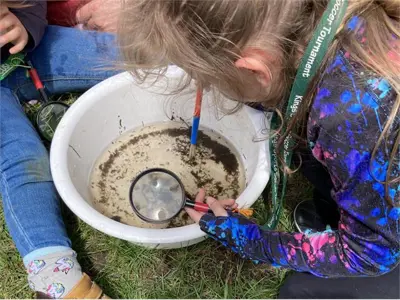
(347, 118)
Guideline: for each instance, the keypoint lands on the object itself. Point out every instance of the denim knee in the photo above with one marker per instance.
(25, 163)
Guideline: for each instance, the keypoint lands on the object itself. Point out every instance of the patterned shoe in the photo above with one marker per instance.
(84, 289)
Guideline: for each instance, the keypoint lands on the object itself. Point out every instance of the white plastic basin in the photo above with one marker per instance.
(94, 121)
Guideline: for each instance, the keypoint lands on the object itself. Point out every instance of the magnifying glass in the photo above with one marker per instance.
(50, 113)
(48, 117)
(157, 196)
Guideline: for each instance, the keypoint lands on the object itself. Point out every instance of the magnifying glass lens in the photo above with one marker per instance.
(157, 196)
(48, 118)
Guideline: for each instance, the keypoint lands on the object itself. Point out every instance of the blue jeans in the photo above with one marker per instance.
(67, 60)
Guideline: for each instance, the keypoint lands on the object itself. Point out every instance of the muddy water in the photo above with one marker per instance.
(166, 145)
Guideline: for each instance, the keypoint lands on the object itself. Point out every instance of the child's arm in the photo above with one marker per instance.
(348, 120)
(24, 27)
(342, 253)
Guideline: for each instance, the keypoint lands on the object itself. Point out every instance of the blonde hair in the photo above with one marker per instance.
(205, 38)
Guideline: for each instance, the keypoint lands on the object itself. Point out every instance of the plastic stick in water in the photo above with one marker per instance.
(195, 123)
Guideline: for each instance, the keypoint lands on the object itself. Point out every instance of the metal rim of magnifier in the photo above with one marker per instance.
(38, 120)
(138, 177)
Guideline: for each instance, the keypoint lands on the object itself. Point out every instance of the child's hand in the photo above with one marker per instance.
(218, 207)
(12, 30)
(101, 15)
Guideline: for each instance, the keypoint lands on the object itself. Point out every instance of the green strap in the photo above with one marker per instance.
(312, 59)
(12, 62)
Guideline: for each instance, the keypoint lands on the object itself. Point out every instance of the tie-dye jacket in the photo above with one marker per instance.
(345, 122)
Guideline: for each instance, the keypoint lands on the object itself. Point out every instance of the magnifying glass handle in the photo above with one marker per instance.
(37, 82)
(198, 206)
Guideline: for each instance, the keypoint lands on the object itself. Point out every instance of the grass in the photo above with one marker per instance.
(123, 270)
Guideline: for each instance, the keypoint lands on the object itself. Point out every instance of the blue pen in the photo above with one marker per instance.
(195, 123)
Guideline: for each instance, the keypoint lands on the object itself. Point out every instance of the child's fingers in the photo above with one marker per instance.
(19, 45)
(195, 215)
(17, 48)
(228, 203)
(91, 24)
(200, 197)
(84, 14)
(10, 36)
(217, 207)
(8, 21)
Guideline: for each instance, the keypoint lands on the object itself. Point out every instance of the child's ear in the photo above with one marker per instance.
(254, 61)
